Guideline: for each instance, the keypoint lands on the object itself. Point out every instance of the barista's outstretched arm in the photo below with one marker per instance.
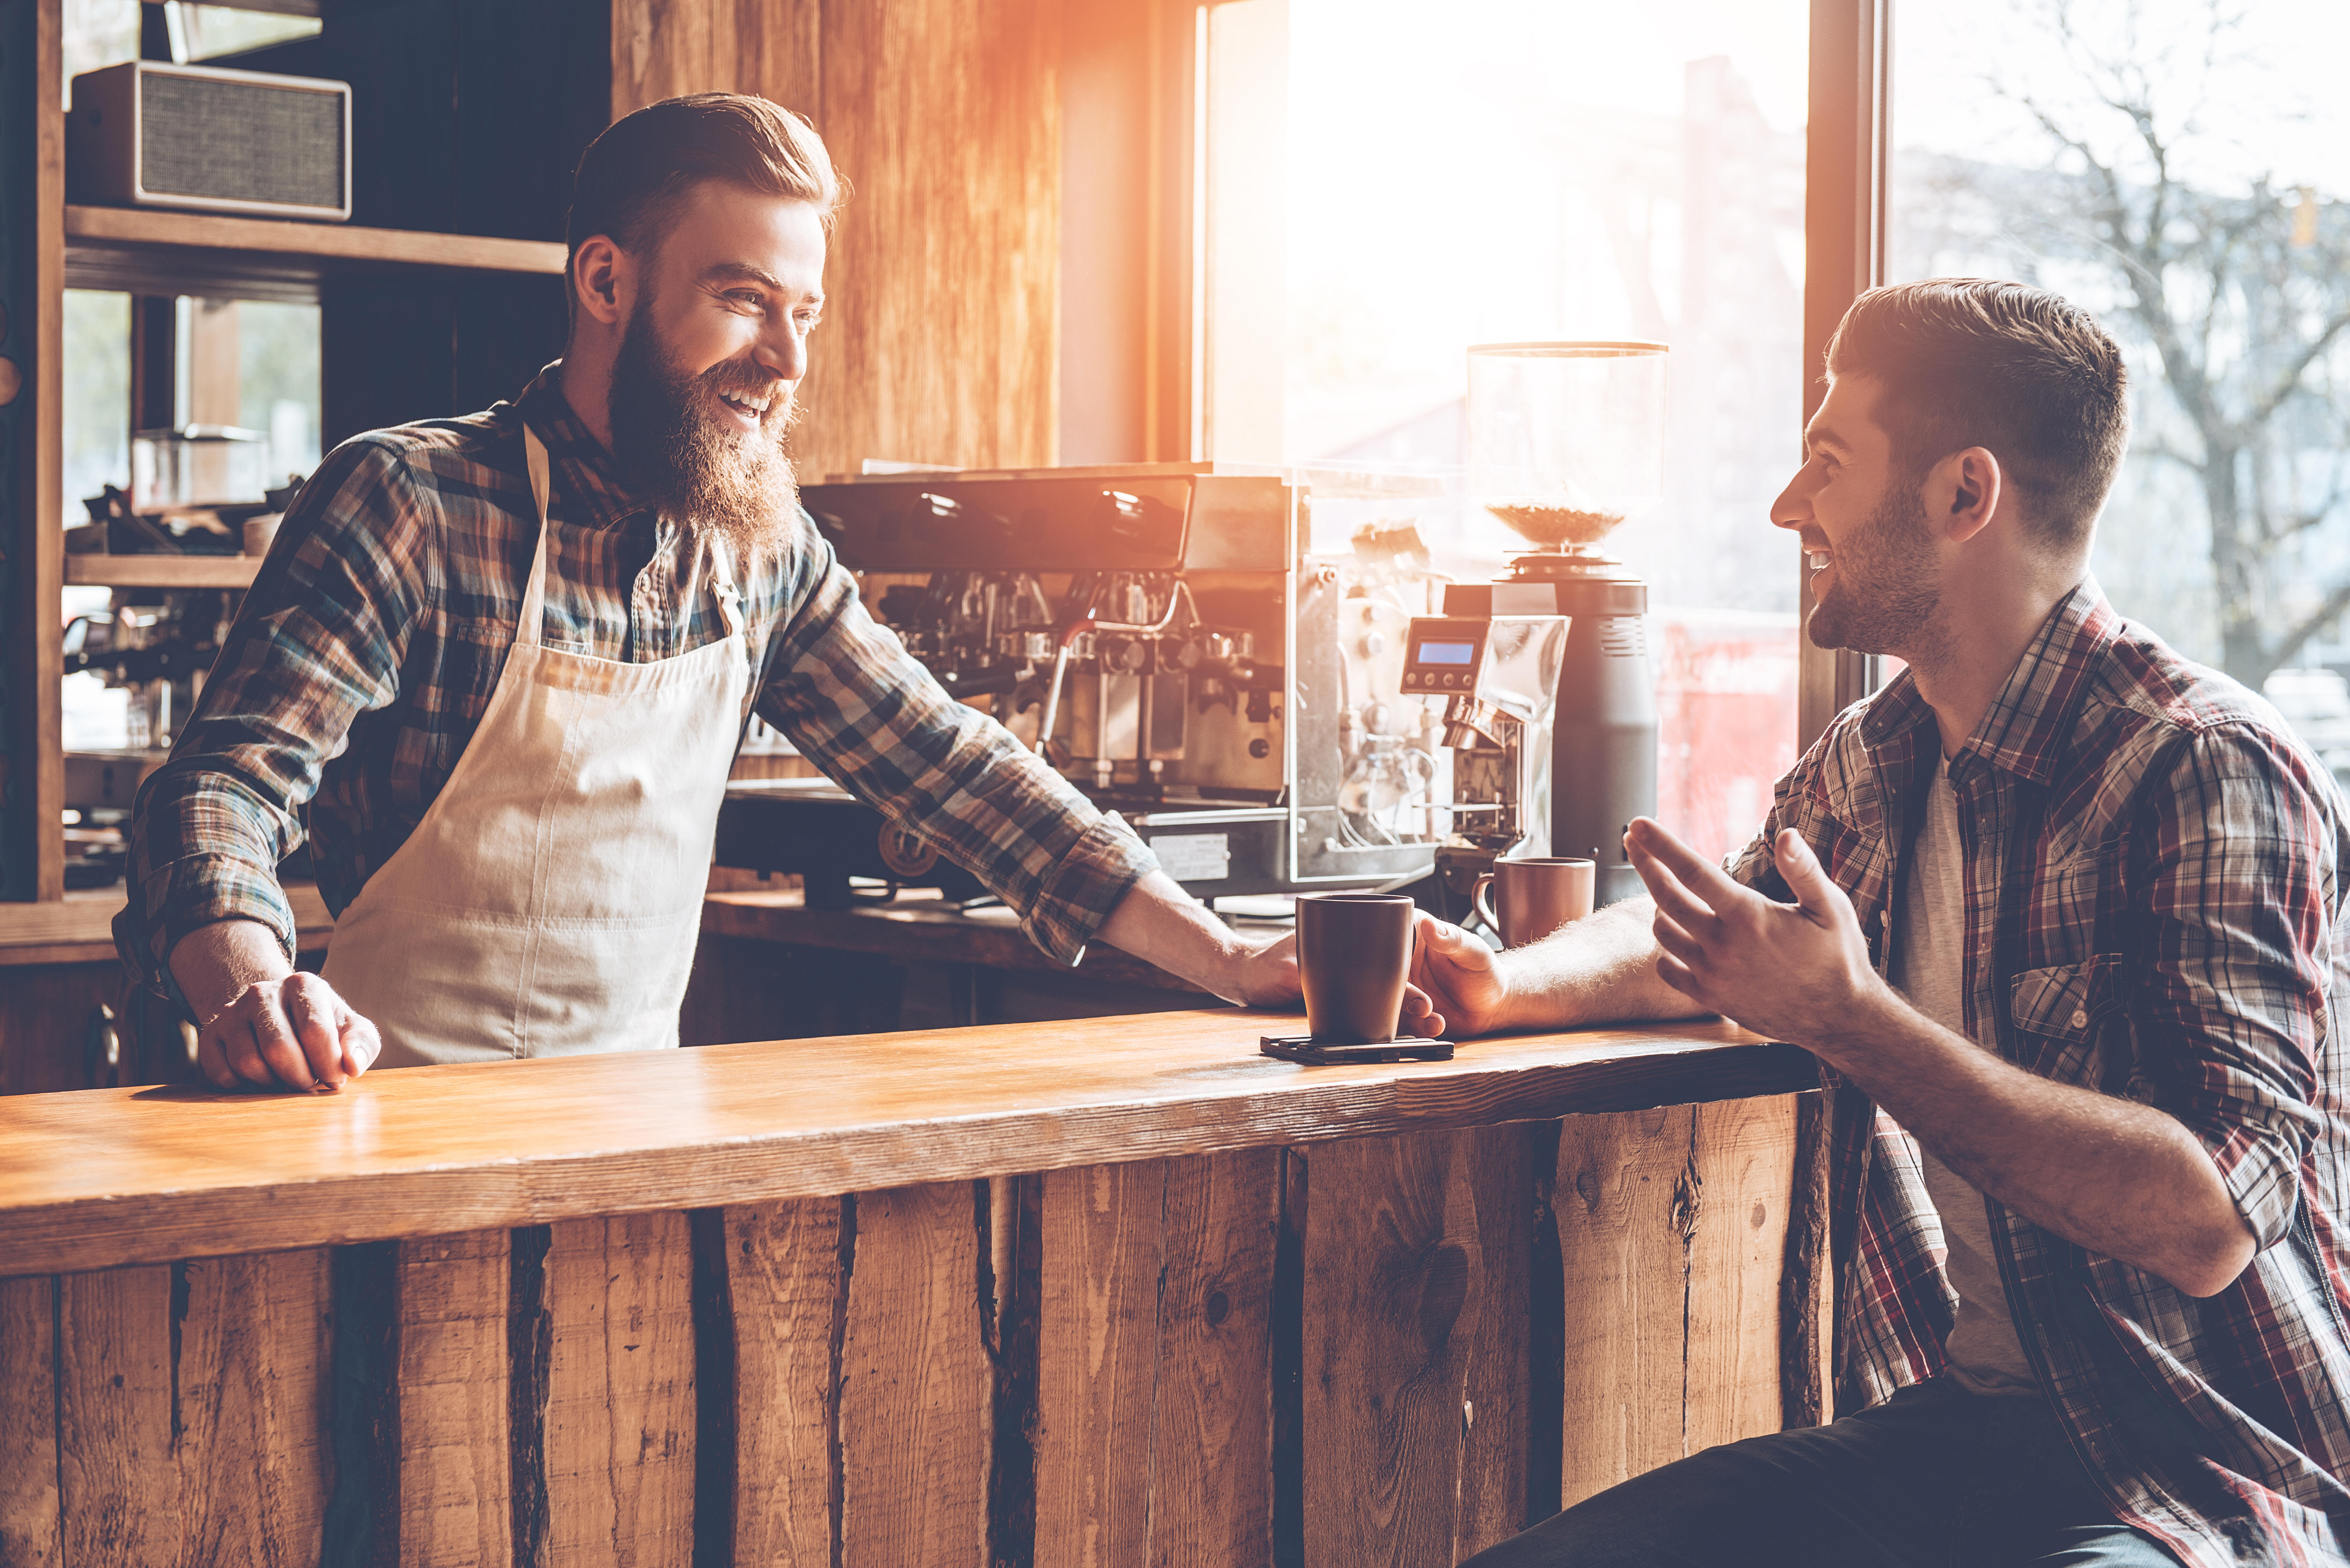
(1600, 970)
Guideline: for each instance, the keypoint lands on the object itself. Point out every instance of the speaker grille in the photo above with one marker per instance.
(240, 141)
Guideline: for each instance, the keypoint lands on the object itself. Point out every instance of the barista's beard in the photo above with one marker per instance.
(1886, 594)
(720, 483)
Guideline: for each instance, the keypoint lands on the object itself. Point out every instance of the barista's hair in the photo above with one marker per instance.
(1965, 361)
(635, 175)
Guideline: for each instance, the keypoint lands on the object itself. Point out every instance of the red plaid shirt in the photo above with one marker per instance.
(2155, 910)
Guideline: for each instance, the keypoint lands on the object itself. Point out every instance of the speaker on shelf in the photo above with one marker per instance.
(146, 134)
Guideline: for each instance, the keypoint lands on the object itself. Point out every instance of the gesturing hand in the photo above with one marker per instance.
(291, 1033)
(1798, 972)
(1458, 976)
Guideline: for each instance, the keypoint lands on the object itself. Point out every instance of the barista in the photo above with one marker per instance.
(506, 658)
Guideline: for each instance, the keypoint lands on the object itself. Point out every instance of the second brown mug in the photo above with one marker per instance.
(1532, 899)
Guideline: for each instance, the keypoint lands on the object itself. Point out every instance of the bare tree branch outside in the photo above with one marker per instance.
(2162, 163)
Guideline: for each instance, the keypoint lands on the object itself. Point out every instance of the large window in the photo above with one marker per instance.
(2177, 167)
(1508, 169)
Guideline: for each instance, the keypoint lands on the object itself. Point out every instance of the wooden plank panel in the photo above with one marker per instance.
(1212, 1467)
(915, 1386)
(252, 1378)
(455, 1500)
(1494, 1406)
(1745, 1159)
(620, 1414)
(1395, 1285)
(119, 1488)
(664, 47)
(1097, 1356)
(784, 1276)
(28, 1423)
(942, 342)
(1620, 1193)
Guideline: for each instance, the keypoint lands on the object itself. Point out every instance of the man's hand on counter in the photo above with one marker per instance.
(1160, 924)
(266, 1024)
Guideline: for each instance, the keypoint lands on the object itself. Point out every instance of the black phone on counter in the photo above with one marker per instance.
(1305, 1048)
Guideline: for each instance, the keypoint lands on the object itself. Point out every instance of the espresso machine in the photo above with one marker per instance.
(1215, 653)
(1565, 444)
(1497, 677)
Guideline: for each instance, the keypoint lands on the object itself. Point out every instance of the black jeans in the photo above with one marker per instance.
(1934, 1478)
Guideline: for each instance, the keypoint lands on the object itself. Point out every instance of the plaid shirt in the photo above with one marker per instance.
(2155, 910)
(369, 646)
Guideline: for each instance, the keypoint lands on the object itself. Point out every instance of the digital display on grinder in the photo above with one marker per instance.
(1446, 653)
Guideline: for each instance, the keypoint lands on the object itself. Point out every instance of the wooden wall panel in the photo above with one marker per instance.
(916, 1388)
(1404, 1325)
(783, 1279)
(1672, 1235)
(253, 1355)
(1104, 1243)
(28, 1423)
(620, 1410)
(117, 1486)
(1619, 1198)
(1211, 1480)
(941, 334)
(455, 1503)
(1494, 1405)
(1746, 1158)
(192, 1423)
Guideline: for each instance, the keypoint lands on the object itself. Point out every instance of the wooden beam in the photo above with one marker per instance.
(455, 1497)
(783, 1279)
(28, 1423)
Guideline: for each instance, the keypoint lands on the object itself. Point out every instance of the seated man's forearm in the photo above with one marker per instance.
(1600, 970)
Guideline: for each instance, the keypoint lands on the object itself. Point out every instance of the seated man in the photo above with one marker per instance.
(2059, 913)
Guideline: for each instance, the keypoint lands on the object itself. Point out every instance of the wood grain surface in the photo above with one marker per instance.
(28, 1424)
(1398, 1290)
(117, 1478)
(785, 1282)
(1672, 1234)
(1098, 1362)
(106, 1178)
(90, 229)
(1621, 1202)
(1212, 1475)
(455, 1505)
(620, 1406)
(942, 336)
(915, 1386)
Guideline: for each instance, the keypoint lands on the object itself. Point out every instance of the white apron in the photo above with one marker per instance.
(549, 902)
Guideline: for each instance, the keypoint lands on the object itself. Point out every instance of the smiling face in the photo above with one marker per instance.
(1875, 570)
(713, 351)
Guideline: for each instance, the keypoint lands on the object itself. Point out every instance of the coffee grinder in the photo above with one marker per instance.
(1566, 443)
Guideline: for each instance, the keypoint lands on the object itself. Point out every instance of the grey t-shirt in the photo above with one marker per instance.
(1929, 954)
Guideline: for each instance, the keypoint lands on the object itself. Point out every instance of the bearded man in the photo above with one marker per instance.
(507, 659)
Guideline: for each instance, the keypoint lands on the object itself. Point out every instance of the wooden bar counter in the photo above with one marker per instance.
(1112, 1292)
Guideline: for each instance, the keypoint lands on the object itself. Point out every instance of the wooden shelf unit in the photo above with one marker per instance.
(148, 251)
(456, 131)
(162, 571)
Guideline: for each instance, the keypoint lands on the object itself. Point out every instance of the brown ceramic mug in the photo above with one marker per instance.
(1532, 899)
(1354, 951)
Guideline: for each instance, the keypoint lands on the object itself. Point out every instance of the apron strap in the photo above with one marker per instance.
(533, 598)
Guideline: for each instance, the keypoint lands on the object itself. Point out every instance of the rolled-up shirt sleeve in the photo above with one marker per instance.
(864, 710)
(316, 641)
(2237, 947)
